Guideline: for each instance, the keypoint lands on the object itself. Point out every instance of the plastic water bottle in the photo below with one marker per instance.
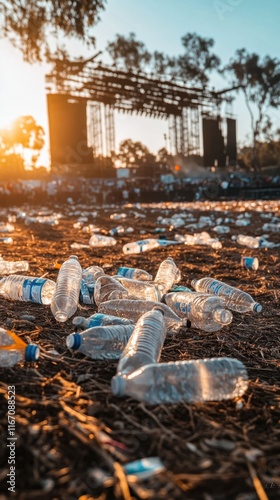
(144, 245)
(145, 344)
(247, 241)
(101, 342)
(205, 311)
(133, 273)
(167, 275)
(107, 288)
(92, 273)
(116, 231)
(196, 381)
(251, 263)
(7, 240)
(86, 295)
(13, 349)
(273, 227)
(134, 309)
(66, 297)
(10, 267)
(143, 290)
(99, 240)
(235, 299)
(27, 289)
(99, 319)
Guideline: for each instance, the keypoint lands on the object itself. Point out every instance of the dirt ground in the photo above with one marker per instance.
(73, 436)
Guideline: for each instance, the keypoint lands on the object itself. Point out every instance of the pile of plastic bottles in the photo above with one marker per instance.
(135, 313)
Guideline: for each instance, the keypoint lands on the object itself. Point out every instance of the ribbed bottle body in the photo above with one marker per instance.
(66, 297)
(196, 381)
(145, 344)
(167, 275)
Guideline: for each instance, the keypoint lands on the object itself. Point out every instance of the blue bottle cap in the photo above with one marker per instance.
(257, 307)
(73, 341)
(32, 352)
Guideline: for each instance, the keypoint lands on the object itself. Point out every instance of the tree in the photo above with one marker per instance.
(128, 53)
(31, 24)
(198, 60)
(259, 80)
(133, 154)
(25, 134)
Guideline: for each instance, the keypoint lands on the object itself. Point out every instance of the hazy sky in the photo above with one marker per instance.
(160, 24)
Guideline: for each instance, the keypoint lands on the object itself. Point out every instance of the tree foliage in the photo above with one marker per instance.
(31, 24)
(198, 59)
(259, 80)
(128, 53)
(133, 154)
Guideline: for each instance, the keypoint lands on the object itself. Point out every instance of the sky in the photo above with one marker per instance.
(160, 25)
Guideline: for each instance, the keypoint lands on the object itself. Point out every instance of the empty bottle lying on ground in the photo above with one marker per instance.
(11, 267)
(247, 241)
(204, 311)
(133, 273)
(13, 349)
(133, 309)
(27, 289)
(145, 344)
(66, 297)
(92, 273)
(202, 380)
(99, 240)
(235, 299)
(107, 288)
(144, 245)
(167, 275)
(99, 319)
(143, 290)
(101, 342)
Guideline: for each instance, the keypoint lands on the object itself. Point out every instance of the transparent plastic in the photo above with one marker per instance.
(134, 273)
(235, 299)
(10, 267)
(99, 240)
(145, 344)
(251, 263)
(247, 241)
(196, 381)
(14, 350)
(205, 311)
(66, 297)
(144, 245)
(117, 231)
(143, 290)
(92, 273)
(101, 342)
(167, 275)
(133, 309)
(99, 319)
(27, 289)
(107, 288)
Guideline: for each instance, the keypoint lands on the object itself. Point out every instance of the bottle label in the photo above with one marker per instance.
(183, 307)
(85, 296)
(142, 244)
(126, 272)
(96, 321)
(32, 290)
(215, 287)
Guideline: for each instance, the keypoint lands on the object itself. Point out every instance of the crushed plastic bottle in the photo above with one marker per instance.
(92, 273)
(86, 295)
(196, 381)
(7, 240)
(11, 267)
(66, 297)
(134, 309)
(235, 299)
(99, 319)
(133, 273)
(145, 245)
(27, 289)
(247, 241)
(107, 288)
(13, 349)
(143, 290)
(145, 344)
(5, 227)
(101, 342)
(206, 312)
(167, 275)
(99, 240)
